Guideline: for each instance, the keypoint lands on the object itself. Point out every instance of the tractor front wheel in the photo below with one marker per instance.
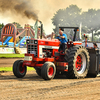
(48, 71)
(19, 70)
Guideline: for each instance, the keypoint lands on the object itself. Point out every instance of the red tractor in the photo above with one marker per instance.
(43, 55)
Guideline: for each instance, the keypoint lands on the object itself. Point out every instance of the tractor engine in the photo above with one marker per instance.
(42, 48)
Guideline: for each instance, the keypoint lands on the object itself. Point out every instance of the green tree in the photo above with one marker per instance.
(1, 26)
(17, 24)
(66, 17)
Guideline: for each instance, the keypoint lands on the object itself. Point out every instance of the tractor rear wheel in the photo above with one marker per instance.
(78, 62)
(38, 71)
(48, 71)
(19, 70)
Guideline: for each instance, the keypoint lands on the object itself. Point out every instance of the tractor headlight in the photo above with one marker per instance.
(35, 42)
(27, 41)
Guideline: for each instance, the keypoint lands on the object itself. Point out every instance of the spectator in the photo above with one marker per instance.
(95, 46)
(86, 45)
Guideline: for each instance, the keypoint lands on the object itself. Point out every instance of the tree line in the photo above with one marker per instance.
(73, 16)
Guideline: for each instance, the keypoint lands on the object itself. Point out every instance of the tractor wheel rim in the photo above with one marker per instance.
(50, 71)
(80, 63)
(21, 69)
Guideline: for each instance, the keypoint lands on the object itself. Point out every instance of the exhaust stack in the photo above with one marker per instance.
(41, 29)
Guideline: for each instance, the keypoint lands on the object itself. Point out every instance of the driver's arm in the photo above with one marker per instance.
(62, 37)
(57, 37)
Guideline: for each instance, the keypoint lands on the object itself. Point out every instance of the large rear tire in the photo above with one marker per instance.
(48, 71)
(67, 51)
(18, 70)
(78, 62)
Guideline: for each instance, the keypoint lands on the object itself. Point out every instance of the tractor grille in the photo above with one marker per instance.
(32, 49)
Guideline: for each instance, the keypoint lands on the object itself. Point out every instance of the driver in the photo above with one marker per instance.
(63, 39)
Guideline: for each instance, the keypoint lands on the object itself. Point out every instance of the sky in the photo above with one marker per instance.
(41, 9)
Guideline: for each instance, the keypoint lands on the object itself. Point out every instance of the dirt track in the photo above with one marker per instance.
(33, 87)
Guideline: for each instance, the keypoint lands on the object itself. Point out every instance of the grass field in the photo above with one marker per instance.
(11, 55)
(10, 69)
